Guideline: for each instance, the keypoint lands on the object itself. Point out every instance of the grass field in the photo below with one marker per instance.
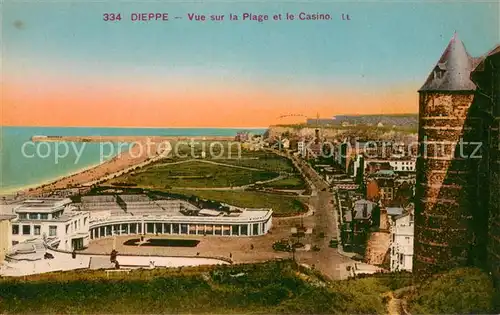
(291, 182)
(270, 288)
(262, 160)
(192, 174)
(281, 205)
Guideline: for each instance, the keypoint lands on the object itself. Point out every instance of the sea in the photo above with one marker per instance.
(26, 164)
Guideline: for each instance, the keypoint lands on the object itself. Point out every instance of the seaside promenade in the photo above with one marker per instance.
(125, 161)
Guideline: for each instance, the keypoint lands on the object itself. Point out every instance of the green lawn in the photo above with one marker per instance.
(212, 149)
(192, 174)
(269, 288)
(458, 291)
(281, 205)
(291, 182)
(262, 160)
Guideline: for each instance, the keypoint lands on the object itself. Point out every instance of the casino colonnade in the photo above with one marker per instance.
(111, 228)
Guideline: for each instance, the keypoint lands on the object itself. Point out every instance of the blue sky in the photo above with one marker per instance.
(62, 52)
(385, 42)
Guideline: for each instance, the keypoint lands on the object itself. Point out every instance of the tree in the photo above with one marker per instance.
(459, 291)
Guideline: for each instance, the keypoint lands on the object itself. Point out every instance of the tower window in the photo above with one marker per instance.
(438, 74)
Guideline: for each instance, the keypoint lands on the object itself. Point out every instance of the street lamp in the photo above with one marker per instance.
(114, 237)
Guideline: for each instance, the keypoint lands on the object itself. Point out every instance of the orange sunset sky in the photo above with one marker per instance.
(64, 65)
(192, 106)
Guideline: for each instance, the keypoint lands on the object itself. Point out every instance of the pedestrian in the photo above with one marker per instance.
(230, 255)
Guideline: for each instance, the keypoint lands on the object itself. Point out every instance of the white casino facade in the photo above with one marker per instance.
(69, 226)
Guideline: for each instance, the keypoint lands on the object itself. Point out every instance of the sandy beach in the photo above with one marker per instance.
(140, 151)
(145, 150)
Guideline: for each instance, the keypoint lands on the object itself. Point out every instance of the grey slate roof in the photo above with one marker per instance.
(480, 61)
(359, 206)
(394, 210)
(452, 71)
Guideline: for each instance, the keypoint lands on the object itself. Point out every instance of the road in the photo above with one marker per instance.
(324, 223)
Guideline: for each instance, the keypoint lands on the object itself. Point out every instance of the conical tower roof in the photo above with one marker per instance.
(452, 72)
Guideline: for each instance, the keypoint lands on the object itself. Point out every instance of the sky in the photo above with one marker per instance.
(63, 65)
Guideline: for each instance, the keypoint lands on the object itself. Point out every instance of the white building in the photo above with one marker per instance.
(403, 165)
(5, 234)
(52, 219)
(137, 214)
(286, 143)
(68, 227)
(397, 165)
(301, 147)
(357, 165)
(401, 248)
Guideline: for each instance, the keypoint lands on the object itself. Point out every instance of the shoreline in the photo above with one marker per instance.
(13, 191)
(122, 162)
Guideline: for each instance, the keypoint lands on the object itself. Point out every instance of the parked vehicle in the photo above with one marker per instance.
(334, 243)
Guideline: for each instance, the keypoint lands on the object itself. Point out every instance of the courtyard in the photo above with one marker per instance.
(240, 249)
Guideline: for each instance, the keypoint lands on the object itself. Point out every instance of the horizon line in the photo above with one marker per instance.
(132, 127)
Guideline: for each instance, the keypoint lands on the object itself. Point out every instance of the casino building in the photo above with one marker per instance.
(55, 220)
(137, 214)
(71, 226)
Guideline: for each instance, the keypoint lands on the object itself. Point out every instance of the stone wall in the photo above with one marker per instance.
(447, 219)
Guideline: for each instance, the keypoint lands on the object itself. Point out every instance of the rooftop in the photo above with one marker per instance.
(7, 217)
(162, 208)
(385, 173)
(394, 210)
(363, 209)
(42, 205)
(452, 71)
(481, 66)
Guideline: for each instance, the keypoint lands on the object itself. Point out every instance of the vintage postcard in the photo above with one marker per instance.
(250, 156)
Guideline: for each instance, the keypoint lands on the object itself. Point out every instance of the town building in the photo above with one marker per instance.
(357, 219)
(374, 166)
(452, 203)
(285, 143)
(52, 219)
(403, 165)
(380, 189)
(358, 166)
(397, 165)
(5, 234)
(401, 248)
(243, 136)
(301, 147)
(343, 155)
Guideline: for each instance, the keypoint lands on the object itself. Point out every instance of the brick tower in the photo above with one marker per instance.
(450, 225)
(486, 75)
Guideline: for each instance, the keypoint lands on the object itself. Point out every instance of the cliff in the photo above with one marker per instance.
(339, 132)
